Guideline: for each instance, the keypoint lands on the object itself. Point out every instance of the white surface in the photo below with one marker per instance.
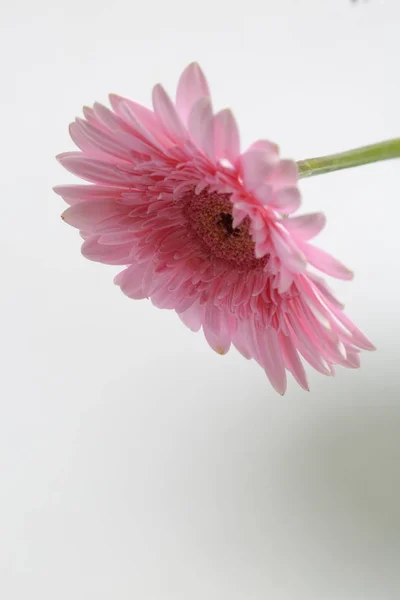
(135, 462)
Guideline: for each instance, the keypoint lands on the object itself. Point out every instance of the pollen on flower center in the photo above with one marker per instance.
(210, 216)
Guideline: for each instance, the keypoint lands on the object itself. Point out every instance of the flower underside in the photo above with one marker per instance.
(198, 226)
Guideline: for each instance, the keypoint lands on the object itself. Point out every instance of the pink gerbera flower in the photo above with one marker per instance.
(203, 228)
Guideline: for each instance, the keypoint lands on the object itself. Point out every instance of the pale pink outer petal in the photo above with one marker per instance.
(325, 262)
(128, 113)
(80, 140)
(94, 170)
(284, 175)
(305, 227)
(324, 290)
(165, 110)
(74, 194)
(285, 280)
(227, 140)
(291, 256)
(353, 360)
(241, 344)
(191, 87)
(329, 306)
(89, 138)
(220, 342)
(255, 167)
(266, 146)
(112, 255)
(305, 345)
(102, 117)
(201, 126)
(86, 215)
(270, 357)
(117, 237)
(292, 360)
(130, 281)
(286, 200)
(358, 336)
(192, 317)
(92, 118)
(144, 117)
(264, 193)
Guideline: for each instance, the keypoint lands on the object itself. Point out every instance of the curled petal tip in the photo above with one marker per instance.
(348, 274)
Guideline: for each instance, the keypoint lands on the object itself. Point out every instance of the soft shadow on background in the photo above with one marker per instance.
(134, 461)
(229, 492)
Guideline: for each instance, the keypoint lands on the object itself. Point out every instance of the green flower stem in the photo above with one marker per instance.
(351, 158)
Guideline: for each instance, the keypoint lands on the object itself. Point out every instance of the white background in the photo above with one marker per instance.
(135, 463)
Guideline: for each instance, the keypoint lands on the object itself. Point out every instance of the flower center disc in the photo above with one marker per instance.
(210, 215)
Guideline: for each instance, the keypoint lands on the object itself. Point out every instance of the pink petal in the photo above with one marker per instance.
(284, 175)
(305, 227)
(285, 280)
(108, 119)
(247, 329)
(237, 213)
(163, 299)
(145, 118)
(94, 170)
(269, 148)
(324, 290)
(262, 248)
(352, 360)
(201, 126)
(73, 194)
(332, 310)
(325, 262)
(80, 140)
(89, 138)
(218, 338)
(292, 361)
(259, 283)
(241, 344)
(116, 223)
(92, 118)
(86, 215)
(292, 258)
(192, 317)
(186, 303)
(307, 349)
(130, 281)
(227, 142)
(128, 114)
(264, 193)
(287, 200)
(191, 87)
(255, 166)
(127, 130)
(167, 114)
(271, 358)
(358, 336)
(144, 115)
(112, 255)
(117, 237)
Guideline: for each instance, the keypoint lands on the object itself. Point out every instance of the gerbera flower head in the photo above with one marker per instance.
(205, 229)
